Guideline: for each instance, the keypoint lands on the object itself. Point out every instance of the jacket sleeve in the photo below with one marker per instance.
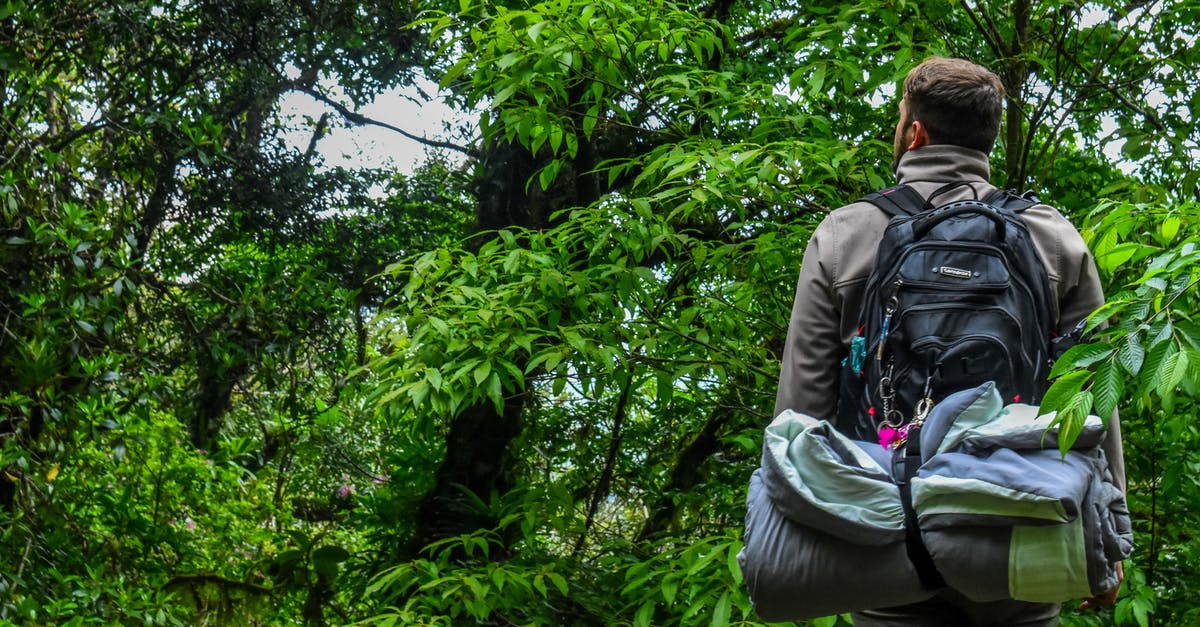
(1080, 292)
(1080, 295)
(808, 377)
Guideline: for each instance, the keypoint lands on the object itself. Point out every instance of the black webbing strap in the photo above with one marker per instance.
(1011, 200)
(900, 200)
(918, 553)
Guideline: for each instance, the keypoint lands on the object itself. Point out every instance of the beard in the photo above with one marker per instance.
(897, 152)
(898, 144)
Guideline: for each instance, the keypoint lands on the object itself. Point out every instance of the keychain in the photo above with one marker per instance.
(895, 435)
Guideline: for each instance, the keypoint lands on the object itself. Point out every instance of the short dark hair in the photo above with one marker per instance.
(957, 101)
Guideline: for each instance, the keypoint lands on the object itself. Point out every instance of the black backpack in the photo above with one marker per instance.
(958, 296)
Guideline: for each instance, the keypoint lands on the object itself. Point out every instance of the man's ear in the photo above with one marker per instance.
(917, 136)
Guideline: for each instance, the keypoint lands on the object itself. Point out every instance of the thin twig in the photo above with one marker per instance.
(359, 119)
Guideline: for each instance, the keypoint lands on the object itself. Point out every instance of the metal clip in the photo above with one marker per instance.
(922, 412)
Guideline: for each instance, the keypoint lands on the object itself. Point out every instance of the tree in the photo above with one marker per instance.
(238, 385)
(173, 300)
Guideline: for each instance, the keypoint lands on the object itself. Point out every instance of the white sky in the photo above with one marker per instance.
(370, 145)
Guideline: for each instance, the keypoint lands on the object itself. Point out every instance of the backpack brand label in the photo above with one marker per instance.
(957, 273)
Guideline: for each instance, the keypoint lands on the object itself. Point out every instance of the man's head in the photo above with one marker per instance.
(949, 101)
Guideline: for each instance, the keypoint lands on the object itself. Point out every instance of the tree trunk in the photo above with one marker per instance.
(478, 458)
(477, 443)
(1014, 72)
(686, 473)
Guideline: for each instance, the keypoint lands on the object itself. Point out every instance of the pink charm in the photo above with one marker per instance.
(888, 436)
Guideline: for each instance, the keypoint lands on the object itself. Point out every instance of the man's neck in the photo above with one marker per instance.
(943, 163)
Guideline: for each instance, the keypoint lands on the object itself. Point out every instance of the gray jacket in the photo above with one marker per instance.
(841, 253)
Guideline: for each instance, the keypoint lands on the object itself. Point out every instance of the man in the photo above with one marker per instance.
(950, 114)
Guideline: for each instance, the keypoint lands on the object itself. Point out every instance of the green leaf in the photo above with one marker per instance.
(559, 385)
(326, 559)
(1190, 332)
(670, 588)
(720, 616)
(514, 373)
(1141, 614)
(547, 174)
(735, 570)
(560, 583)
(1131, 354)
(1151, 374)
(495, 392)
(817, 83)
(1071, 418)
(1104, 312)
(551, 357)
(1172, 371)
(1063, 390)
(536, 30)
(644, 614)
(482, 372)
(503, 95)
(1161, 332)
(289, 557)
(1114, 259)
(1136, 147)
(434, 377)
(705, 559)
(1155, 281)
(665, 386)
(440, 326)
(1169, 228)
(1107, 387)
(1080, 356)
(418, 392)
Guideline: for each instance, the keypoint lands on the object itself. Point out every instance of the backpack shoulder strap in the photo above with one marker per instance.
(1011, 200)
(900, 200)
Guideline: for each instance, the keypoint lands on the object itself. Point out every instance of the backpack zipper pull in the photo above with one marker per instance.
(887, 321)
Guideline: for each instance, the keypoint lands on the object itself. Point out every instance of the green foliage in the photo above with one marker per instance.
(1141, 360)
(1145, 335)
(700, 584)
(443, 591)
(237, 386)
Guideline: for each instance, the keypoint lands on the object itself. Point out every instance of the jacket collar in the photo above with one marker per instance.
(943, 163)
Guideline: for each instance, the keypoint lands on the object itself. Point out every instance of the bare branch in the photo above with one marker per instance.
(318, 133)
(990, 32)
(1091, 80)
(359, 119)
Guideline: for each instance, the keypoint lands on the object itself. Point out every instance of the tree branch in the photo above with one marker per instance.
(1091, 81)
(610, 461)
(991, 34)
(200, 579)
(359, 119)
(318, 133)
